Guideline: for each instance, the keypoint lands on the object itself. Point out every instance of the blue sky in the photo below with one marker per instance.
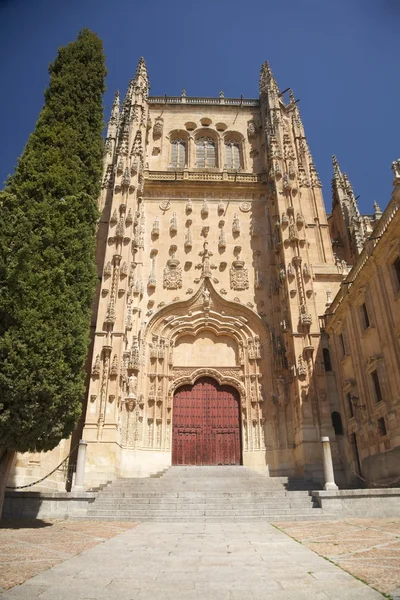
(341, 58)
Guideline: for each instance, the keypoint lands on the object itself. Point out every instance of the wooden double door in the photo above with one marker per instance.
(206, 424)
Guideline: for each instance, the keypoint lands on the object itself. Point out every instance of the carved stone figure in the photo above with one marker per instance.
(131, 386)
(206, 298)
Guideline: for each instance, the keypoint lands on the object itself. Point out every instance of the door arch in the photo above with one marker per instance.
(206, 424)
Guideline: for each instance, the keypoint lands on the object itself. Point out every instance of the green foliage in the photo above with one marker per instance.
(48, 217)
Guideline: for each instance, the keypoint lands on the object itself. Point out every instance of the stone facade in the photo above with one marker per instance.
(215, 258)
(363, 324)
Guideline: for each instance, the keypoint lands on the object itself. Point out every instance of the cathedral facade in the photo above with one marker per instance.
(217, 264)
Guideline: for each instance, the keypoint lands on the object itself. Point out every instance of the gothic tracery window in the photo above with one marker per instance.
(232, 155)
(205, 152)
(178, 153)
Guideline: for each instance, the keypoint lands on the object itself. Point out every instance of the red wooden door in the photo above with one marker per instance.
(206, 427)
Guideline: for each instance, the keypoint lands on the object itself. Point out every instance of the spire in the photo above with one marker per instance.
(336, 169)
(268, 85)
(141, 75)
(377, 211)
(337, 181)
(114, 116)
(138, 85)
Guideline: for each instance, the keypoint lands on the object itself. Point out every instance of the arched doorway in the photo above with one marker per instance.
(206, 424)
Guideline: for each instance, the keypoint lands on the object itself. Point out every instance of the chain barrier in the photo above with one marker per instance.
(21, 487)
(367, 481)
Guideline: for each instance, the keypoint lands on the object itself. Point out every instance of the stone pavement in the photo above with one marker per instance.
(367, 548)
(165, 561)
(28, 547)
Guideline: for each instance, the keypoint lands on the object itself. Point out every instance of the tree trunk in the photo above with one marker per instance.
(7, 459)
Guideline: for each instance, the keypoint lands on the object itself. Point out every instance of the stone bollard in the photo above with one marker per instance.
(80, 467)
(328, 465)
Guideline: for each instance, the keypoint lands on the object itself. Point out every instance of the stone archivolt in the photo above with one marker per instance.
(206, 310)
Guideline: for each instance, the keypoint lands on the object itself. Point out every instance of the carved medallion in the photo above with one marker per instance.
(165, 205)
(245, 207)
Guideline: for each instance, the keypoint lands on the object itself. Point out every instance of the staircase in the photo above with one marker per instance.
(207, 494)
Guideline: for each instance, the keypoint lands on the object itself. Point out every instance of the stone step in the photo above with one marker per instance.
(207, 519)
(182, 493)
(146, 500)
(206, 494)
(200, 512)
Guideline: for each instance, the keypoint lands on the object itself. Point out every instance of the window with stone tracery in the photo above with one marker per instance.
(232, 155)
(205, 152)
(178, 153)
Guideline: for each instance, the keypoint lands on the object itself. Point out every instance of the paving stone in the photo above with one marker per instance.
(173, 561)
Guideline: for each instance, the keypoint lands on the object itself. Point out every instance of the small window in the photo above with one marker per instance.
(382, 427)
(396, 269)
(327, 359)
(377, 386)
(178, 154)
(205, 152)
(350, 407)
(337, 423)
(364, 317)
(232, 155)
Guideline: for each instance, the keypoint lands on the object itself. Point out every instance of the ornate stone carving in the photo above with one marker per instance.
(114, 217)
(108, 178)
(173, 226)
(221, 208)
(305, 317)
(205, 263)
(96, 366)
(301, 367)
(114, 366)
(239, 277)
(221, 240)
(245, 207)
(251, 129)
(155, 230)
(188, 237)
(158, 127)
(293, 233)
(235, 225)
(204, 209)
(124, 269)
(152, 276)
(172, 272)
(165, 205)
(189, 207)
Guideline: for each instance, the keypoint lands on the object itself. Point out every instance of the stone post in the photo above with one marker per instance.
(328, 465)
(80, 467)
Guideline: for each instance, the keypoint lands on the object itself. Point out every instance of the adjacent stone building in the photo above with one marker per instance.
(217, 264)
(363, 324)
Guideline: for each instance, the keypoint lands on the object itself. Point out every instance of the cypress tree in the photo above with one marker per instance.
(48, 217)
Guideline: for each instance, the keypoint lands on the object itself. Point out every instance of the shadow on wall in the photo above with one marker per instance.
(383, 466)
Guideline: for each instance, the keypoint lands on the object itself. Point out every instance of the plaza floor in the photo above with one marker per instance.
(224, 561)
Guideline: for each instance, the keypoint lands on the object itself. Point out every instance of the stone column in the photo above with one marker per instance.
(80, 467)
(328, 465)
